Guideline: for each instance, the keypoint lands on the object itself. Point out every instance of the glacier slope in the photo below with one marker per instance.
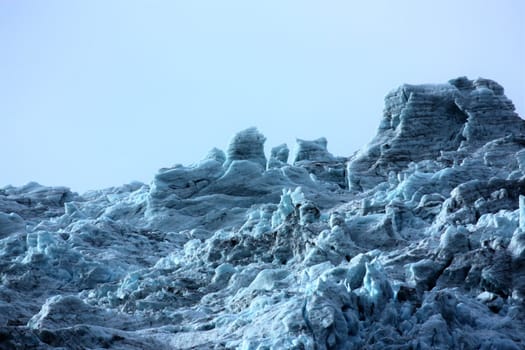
(417, 241)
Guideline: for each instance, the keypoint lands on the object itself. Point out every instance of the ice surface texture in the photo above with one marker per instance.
(415, 242)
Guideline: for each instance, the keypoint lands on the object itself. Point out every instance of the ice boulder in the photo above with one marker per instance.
(314, 150)
(11, 223)
(313, 155)
(279, 156)
(247, 145)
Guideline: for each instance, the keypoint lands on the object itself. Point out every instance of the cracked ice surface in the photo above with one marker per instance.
(415, 242)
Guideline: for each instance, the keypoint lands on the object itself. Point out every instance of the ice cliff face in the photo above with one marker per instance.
(415, 242)
(434, 122)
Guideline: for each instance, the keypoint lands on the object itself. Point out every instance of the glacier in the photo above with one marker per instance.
(416, 241)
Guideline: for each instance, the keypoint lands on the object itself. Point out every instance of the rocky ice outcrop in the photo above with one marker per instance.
(247, 145)
(434, 122)
(279, 156)
(314, 157)
(416, 242)
(213, 192)
(11, 223)
(313, 151)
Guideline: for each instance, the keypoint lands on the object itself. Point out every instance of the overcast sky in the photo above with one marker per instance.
(100, 93)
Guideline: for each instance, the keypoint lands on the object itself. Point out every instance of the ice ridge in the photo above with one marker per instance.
(417, 241)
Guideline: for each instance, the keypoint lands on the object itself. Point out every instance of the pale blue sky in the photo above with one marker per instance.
(100, 93)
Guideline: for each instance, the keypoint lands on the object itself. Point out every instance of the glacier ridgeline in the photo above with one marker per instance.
(417, 241)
